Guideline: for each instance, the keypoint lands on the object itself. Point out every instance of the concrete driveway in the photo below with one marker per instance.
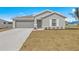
(12, 40)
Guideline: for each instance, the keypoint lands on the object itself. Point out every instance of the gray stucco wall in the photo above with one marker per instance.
(61, 20)
(46, 21)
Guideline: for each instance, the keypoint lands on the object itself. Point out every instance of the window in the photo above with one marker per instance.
(53, 22)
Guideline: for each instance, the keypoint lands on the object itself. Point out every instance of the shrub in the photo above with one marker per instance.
(46, 28)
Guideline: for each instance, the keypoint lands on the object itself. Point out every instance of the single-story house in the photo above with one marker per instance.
(5, 24)
(46, 18)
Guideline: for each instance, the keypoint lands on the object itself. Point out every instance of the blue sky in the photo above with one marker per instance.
(7, 13)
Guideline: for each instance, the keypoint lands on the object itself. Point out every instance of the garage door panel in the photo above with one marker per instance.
(28, 24)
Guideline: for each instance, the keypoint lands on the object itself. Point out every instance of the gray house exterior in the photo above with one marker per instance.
(43, 19)
(5, 24)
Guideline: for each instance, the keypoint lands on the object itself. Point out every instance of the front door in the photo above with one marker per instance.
(39, 23)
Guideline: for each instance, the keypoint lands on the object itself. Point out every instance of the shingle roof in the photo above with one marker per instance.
(52, 12)
(46, 11)
(32, 16)
(50, 15)
(24, 17)
(2, 20)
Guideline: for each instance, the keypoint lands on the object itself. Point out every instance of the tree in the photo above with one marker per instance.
(76, 12)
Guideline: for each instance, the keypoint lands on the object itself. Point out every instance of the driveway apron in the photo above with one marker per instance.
(12, 40)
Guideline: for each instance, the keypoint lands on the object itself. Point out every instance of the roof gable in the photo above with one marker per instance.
(43, 12)
(49, 11)
(51, 15)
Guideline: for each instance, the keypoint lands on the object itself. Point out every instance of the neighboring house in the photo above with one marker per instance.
(5, 24)
(43, 19)
(9, 24)
(66, 22)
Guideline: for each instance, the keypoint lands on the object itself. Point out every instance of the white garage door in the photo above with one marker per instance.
(24, 24)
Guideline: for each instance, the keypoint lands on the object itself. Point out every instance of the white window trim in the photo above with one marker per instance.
(50, 22)
(57, 22)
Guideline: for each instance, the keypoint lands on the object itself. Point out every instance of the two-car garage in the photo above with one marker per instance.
(25, 24)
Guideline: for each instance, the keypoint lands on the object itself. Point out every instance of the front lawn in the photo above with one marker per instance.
(52, 40)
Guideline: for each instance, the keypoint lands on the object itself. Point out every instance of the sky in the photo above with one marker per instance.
(7, 13)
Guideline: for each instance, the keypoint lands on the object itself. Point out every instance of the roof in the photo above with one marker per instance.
(42, 12)
(31, 17)
(3, 20)
(24, 17)
(50, 11)
(51, 15)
